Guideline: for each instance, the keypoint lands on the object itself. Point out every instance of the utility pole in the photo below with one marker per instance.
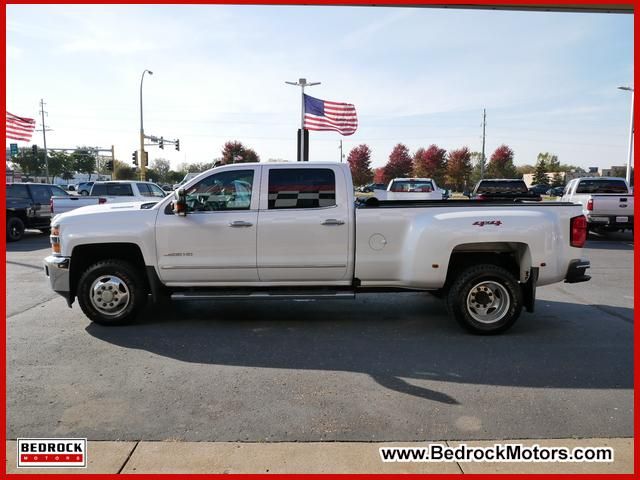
(302, 82)
(44, 139)
(630, 151)
(484, 125)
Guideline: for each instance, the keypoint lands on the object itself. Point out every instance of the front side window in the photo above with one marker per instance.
(221, 191)
(58, 192)
(301, 188)
(156, 191)
(41, 194)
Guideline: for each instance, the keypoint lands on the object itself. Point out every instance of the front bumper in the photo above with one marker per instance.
(57, 269)
(576, 272)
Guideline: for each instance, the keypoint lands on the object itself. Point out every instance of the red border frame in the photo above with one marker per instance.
(516, 3)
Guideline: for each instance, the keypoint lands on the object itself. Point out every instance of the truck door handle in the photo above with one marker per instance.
(332, 221)
(240, 223)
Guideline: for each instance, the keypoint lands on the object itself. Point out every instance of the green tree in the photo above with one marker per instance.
(540, 174)
(501, 163)
(84, 161)
(161, 167)
(459, 169)
(550, 160)
(31, 164)
(123, 171)
(557, 180)
(61, 165)
(359, 160)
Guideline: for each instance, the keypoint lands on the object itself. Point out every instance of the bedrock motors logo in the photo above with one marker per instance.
(52, 452)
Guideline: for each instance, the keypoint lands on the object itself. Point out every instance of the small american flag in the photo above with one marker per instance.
(20, 128)
(324, 115)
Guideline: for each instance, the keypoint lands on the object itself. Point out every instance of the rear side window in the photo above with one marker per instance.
(602, 186)
(112, 189)
(18, 191)
(502, 187)
(301, 188)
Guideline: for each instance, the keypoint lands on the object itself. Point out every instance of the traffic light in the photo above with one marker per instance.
(134, 158)
(110, 165)
(34, 149)
(178, 145)
(146, 159)
(161, 143)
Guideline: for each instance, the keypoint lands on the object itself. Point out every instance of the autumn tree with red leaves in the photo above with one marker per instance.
(459, 168)
(360, 164)
(236, 152)
(501, 164)
(431, 163)
(399, 165)
(378, 176)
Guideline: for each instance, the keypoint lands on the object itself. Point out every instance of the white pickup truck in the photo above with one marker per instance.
(606, 202)
(410, 189)
(282, 230)
(117, 191)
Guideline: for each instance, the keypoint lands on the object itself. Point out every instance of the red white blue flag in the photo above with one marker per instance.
(19, 128)
(325, 115)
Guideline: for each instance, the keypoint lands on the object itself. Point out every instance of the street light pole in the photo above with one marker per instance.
(630, 153)
(142, 159)
(302, 82)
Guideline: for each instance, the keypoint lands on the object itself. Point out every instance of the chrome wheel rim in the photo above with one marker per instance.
(14, 229)
(109, 295)
(488, 302)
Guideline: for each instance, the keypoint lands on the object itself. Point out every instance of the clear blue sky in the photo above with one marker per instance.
(416, 76)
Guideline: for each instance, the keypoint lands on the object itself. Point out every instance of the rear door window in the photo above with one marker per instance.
(602, 186)
(301, 188)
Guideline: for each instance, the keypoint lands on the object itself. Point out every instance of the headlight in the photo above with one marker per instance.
(55, 240)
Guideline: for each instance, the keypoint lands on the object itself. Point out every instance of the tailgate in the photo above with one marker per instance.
(612, 205)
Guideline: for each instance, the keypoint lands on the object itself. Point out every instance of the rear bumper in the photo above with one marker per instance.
(611, 221)
(57, 270)
(576, 272)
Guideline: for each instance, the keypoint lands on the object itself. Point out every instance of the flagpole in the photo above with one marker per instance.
(302, 82)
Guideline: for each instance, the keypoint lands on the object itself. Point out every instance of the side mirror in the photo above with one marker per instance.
(180, 203)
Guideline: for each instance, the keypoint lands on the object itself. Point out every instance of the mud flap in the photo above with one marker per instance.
(529, 291)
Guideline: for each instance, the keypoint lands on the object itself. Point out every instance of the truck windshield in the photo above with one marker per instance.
(506, 186)
(602, 186)
(411, 186)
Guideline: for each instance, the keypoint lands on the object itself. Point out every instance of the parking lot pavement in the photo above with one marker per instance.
(380, 368)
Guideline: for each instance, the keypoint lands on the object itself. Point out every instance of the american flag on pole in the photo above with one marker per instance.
(20, 128)
(325, 115)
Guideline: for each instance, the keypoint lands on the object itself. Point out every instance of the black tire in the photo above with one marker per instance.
(495, 286)
(84, 193)
(127, 275)
(15, 229)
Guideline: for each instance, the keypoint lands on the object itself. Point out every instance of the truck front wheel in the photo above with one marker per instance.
(112, 292)
(485, 299)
